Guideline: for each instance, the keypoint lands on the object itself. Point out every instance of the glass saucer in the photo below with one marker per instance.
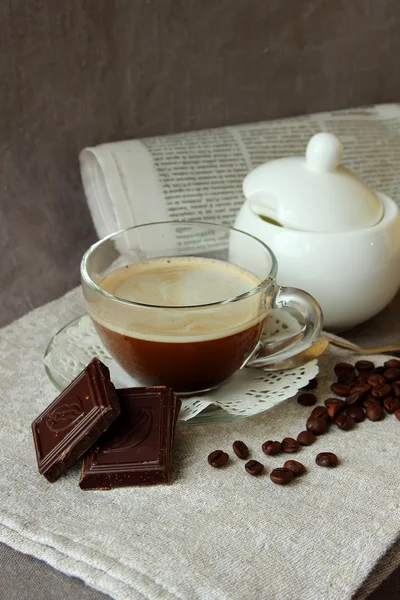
(248, 392)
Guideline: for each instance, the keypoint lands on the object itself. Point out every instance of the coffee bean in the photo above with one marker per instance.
(306, 438)
(397, 414)
(375, 379)
(271, 448)
(370, 400)
(381, 391)
(341, 389)
(355, 412)
(374, 411)
(354, 397)
(363, 388)
(329, 401)
(393, 363)
(347, 378)
(363, 378)
(396, 389)
(307, 399)
(327, 459)
(343, 367)
(317, 425)
(240, 449)
(290, 445)
(253, 467)
(378, 370)
(336, 408)
(391, 404)
(391, 374)
(218, 458)
(345, 372)
(364, 365)
(344, 422)
(281, 476)
(320, 412)
(311, 385)
(297, 468)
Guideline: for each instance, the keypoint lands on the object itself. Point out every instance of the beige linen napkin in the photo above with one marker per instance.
(212, 534)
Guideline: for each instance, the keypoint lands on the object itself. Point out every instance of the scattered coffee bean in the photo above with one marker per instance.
(311, 385)
(362, 387)
(318, 425)
(344, 422)
(393, 363)
(307, 399)
(374, 411)
(327, 459)
(341, 389)
(342, 367)
(391, 404)
(375, 379)
(345, 372)
(290, 445)
(306, 438)
(218, 458)
(297, 468)
(320, 412)
(392, 374)
(329, 401)
(370, 400)
(359, 388)
(281, 476)
(356, 412)
(240, 449)
(378, 370)
(363, 378)
(364, 365)
(396, 389)
(336, 408)
(381, 391)
(253, 467)
(372, 387)
(354, 397)
(271, 448)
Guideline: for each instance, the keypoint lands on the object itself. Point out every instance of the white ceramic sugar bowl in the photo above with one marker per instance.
(333, 235)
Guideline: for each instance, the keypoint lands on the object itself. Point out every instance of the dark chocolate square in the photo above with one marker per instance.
(137, 448)
(75, 420)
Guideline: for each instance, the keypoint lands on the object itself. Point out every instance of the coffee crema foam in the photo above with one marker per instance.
(186, 282)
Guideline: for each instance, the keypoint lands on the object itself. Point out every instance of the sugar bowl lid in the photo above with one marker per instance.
(314, 193)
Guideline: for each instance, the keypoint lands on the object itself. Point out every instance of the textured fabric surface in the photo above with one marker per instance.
(211, 534)
(27, 578)
(82, 72)
(23, 577)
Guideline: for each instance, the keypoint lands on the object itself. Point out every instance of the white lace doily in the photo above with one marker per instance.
(248, 392)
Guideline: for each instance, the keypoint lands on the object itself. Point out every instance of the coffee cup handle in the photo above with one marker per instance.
(309, 314)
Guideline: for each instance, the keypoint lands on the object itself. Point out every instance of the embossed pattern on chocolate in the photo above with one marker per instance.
(74, 421)
(137, 448)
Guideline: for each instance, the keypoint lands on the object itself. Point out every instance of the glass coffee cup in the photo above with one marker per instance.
(184, 304)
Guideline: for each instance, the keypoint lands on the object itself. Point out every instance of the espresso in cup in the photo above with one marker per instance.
(183, 304)
(194, 340)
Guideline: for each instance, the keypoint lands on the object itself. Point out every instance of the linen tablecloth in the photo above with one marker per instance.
(213, 533)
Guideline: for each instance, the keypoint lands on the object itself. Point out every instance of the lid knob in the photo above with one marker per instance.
(313, 193)
(324, 152)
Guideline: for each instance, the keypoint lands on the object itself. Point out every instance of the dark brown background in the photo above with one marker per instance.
(79, 72)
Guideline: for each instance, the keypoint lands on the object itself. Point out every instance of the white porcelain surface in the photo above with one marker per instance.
(313, 193)
(353, 275)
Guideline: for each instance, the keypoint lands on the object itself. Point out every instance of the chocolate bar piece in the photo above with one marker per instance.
(137, 448)
(75, 420)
